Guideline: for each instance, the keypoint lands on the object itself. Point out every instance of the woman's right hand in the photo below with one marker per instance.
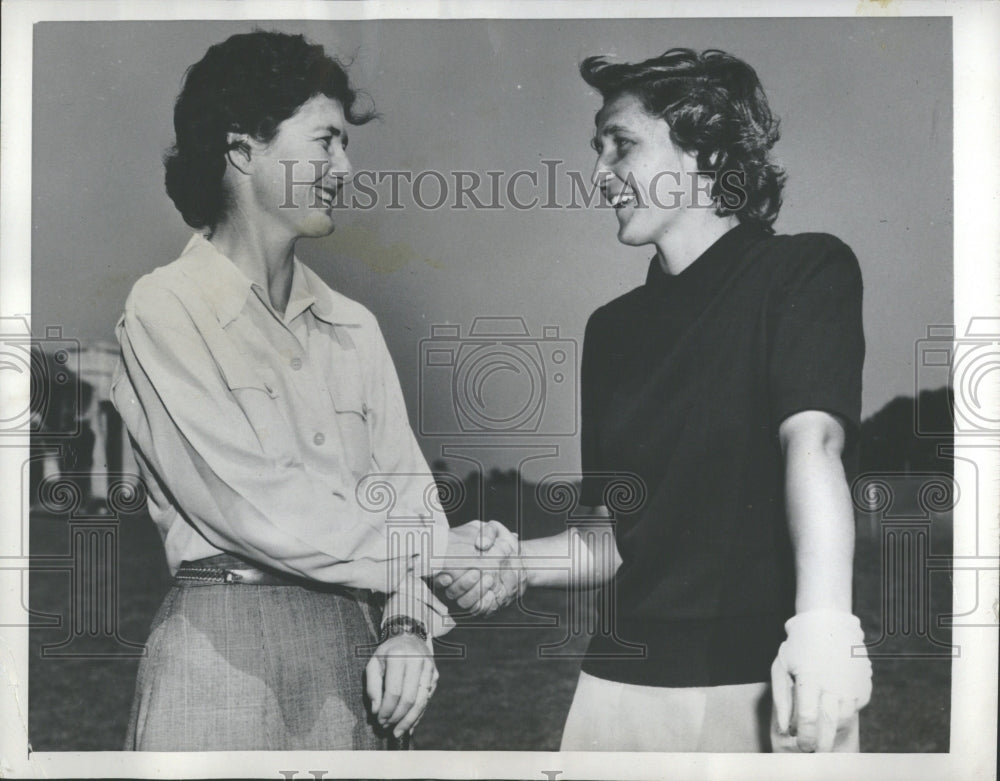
(498, 577)
(400, 679)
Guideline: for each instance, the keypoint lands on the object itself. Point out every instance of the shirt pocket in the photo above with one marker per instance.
(352, 413)
(254, 389)
(241, 377)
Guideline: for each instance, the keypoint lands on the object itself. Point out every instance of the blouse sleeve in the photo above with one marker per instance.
(817, 341)
(396, 452)
(415, 503)
(594, 391)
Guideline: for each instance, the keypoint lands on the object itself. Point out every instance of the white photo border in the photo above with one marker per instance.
(976, 50)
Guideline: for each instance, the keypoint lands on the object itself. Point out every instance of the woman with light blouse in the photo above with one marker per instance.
(263, 406)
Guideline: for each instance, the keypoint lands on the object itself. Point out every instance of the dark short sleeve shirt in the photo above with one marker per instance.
(685, 382)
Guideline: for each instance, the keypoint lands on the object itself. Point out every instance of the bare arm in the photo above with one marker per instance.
(581, 556)
(820, 514)
(821, 676)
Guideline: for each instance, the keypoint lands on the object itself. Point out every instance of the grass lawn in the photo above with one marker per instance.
(495, 691)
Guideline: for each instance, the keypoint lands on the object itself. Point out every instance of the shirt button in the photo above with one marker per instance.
(296, 363)
(319, 439)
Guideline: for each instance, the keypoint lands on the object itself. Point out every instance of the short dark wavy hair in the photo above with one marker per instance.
(716, 109)
(250, 83)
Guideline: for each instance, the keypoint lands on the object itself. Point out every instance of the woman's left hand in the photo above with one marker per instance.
(400, 679)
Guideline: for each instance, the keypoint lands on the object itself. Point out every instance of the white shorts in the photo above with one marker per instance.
(613, 716)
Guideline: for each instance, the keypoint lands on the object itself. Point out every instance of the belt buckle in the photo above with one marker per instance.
(229, 577)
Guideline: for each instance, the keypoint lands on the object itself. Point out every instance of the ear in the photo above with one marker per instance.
(691, 159)
(695, 168)
(238, 151)
(688, 160)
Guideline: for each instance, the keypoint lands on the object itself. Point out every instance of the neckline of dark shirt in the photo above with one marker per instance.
(703, 275)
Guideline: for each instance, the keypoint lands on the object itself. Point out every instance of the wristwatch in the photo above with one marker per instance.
(402, 625)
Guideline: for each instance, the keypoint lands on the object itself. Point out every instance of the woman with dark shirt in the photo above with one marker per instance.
(724, 397)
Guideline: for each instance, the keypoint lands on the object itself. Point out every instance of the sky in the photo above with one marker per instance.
(865, 106)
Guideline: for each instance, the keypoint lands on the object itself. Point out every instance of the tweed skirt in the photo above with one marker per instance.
(255, 667)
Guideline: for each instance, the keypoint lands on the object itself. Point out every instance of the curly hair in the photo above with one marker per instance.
(249, 83)
(717, 111)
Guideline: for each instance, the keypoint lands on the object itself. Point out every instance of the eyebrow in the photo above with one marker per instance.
(334, 131)
(610, 130)
(603, 132)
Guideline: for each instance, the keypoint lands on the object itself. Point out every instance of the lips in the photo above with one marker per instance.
(327, 195)
(624, 198)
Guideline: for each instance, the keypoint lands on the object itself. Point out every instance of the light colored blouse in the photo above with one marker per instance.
(280, 438)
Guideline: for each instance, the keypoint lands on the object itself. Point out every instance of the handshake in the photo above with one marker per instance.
(482, 571)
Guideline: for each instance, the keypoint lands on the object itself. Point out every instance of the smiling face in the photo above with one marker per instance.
(294, 180)
(643, 174)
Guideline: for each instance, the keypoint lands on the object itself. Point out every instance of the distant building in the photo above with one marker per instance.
(79, 418)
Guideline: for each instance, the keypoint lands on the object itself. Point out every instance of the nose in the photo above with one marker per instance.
(601, 174)
(340, 165)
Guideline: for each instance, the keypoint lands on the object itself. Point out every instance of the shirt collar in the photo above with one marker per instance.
(226, 288)
(301, 296)
(707, 271)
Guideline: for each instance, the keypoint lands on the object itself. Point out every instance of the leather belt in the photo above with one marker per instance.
(192, 571)
(229, 570)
